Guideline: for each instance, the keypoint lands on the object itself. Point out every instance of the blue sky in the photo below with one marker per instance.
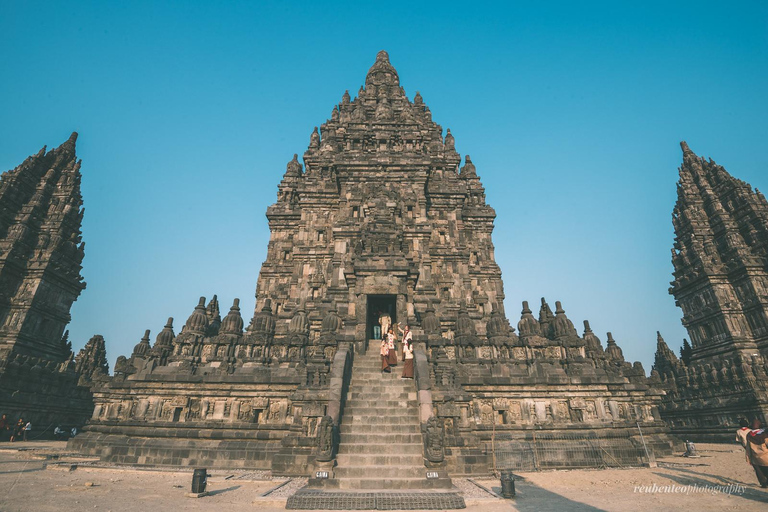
(572, 112)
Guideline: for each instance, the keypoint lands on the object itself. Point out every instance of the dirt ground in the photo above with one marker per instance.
(30, 482)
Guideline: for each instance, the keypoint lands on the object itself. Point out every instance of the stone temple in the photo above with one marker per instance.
(381, 216)
(721, 283)
(40, 261)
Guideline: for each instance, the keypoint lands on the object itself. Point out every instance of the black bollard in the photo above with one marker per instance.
(507, 484)
(199, 481)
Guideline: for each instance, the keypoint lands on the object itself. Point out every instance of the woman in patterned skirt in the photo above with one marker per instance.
(407, 354)
(392, 349)
(384, 351)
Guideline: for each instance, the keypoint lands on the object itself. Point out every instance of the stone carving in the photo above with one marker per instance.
(434, 440)
(326, 440)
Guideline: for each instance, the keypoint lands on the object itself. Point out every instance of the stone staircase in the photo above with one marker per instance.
(380, 435)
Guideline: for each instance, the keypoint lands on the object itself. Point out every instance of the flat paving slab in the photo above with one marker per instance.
(39, 477)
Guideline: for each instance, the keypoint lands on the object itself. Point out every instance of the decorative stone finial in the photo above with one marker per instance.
(314, 139)
(382, 74)
(166, 336)
(468, 171)
(528, 326)
(233, 322)
(143, 346)
(294, 167)
(450, 142)
(198, 320)
(613, 351)
(592, 342)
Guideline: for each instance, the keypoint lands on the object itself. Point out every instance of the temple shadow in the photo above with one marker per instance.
(693, 478)
(221, 491)
(532, 498)
(30, 470)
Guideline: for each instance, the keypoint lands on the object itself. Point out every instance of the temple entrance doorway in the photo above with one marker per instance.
(378, 304)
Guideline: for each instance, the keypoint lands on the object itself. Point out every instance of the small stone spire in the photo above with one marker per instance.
(214, 316)
(293, 169)
(166, 336)
(332, 321)
(382, 74)
(314, 139)
(528, 326)
(345, 98)
(143, 346)
(591, 341)
(263, 323)
(664, 360)
(464, 324)
(613, 351)
(545, 318)
(233, 322)
(91, 361)
(562, 325)
(418, 100)
(468, 171)
(299, 323)
(450, 142)
(198, 320)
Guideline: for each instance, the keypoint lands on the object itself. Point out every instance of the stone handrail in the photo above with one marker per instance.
(341, 372)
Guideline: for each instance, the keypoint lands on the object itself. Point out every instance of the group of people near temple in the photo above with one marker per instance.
(754, 439)
(18, 432)
(389, 346)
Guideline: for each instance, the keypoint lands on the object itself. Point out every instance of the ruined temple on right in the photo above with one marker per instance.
(720, 282)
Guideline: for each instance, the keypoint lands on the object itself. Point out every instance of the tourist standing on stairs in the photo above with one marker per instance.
(386, 322)
(392, 357)
(385, 355)
(377, 328)
(407, 354)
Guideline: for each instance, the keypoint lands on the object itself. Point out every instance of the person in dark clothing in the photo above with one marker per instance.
(18, 430)
(5, 426)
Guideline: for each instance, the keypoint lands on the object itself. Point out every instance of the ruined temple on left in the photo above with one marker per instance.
(41, 256)
(381, 216)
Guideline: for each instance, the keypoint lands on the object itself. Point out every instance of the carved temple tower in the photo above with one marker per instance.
(721, 284)
(41, 256)
(381, 217)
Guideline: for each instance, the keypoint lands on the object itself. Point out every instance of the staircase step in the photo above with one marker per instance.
(396, 447)
(367, 459)
(382, 421)
(401, 409)
(367, 434)
(392, 483)
(388, 472)
(369, 394)
(380, 402)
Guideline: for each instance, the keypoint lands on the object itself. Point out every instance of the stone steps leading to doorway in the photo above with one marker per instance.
(381, 445)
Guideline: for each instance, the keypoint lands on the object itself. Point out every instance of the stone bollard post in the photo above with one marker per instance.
(507, 484)
(199, 481)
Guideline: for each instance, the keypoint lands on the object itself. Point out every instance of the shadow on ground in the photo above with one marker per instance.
(532, 498)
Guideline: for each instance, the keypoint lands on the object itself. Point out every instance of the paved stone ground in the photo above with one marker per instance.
(30, 482)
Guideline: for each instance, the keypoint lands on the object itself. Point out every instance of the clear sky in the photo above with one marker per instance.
(572, 112)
